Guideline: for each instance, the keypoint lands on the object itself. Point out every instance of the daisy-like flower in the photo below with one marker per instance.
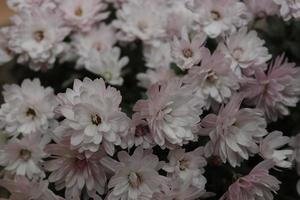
(276, 90)
(107, 64)
(28, 108)
(289, 8)
(20, 5)
(37, 35)
(262, 8)
(83, 15)
(23, 189)
(6, 54)
(186, 51)
(92, 116)
(188, 166)
(135, 177)
(244, 49)
(234, 133)
(269, 149)
(158, 56)
(258, 184)
(141, 19)
(213, 79)
(75, 171)
(171, 111)
(219, 16)
(24, 156)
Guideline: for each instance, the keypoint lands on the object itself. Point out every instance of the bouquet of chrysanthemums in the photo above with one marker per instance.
(150, 100)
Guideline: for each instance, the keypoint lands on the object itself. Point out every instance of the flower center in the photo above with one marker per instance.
(39, 35)
(237, 53)
(96, 119)
(78, 12)
(134, 180)
(211, 76)
(188, 52)
(215, 15)
(31, 113)
(97, 46)
(142, 25)
(107, 75)
(25, 154)
(183, 164)
(141, 130)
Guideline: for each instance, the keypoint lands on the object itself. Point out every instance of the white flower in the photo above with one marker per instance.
(27, 109)
(158, 56)
(92, 116)
(269, 149)
(37, 36)
(289, 8)
(5, 53)
(244, 49)
(19, 5)
(107, 64)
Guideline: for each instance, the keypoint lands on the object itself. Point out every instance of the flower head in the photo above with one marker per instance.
(262, 8)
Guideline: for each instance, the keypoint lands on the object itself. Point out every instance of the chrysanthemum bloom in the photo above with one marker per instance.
(24, 156)
(289, 8)
(186, 51)
(107, 64)
(270, 149)
(262, 8)
(21, 5)
(244, 49)
(219, 16)
(258, 184)
(37, 36)
(83, 15)
(187, 166)
(158, 56)
(135, 177)
(234, 132)
(92, 116)
(23, 189)
(171, 111)
(6, 54)
(100, 38)
(75, 171)
(276, 90)
(28, 108)
(141, 19)
(213, 79)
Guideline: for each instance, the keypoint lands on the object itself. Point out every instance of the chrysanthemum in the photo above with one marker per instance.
(20, 5)
(270, 149)
(158, 56)
(171, 111)
(262, 8)
(92, 116)
(24, 156)
(83, 15)
(5, 53)
(75, 171)
(244, 49)
(234, 132)
(258, 184)
(295, 144)
(135, 177)
(28, 108)
(275, 90)
(289, 8)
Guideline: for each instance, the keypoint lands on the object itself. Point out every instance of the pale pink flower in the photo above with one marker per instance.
(171, 111)
(234, 133)
(289, 8)
(213, 79)
(135, 177)
(158, 56)
(75, 171)
(83, 15)
(270, 149)
(186, 51)
(23, 189)
(262, 8)
(275, 90)
(295, 144)
(21, 5)
(258, 184)
(93, 117)
(6, 54)
(28, 108)
(24, 156)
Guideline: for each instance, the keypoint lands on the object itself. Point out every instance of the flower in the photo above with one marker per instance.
(171, 111)
(83, 15)
(275, 90)
(262, 8)
(37, 37)
(75, 171)
(21, 5)
(213, 79)
(135, 177)
(23, 189)
(6, 54)
(269, 149)
(258, 184)
(140, 19)
(24, 156)
(158, 56)
(186, 52)
(244, 49)
(234, 132)
(216, 17)
(107, 64)
(28, 108)
(295, 144)
(187, 166)
(289, 8)
(92, 116)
